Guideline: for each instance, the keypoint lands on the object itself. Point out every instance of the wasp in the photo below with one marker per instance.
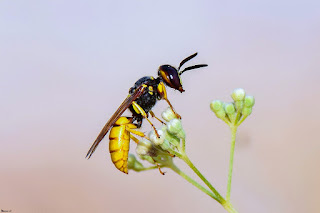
(143, 95)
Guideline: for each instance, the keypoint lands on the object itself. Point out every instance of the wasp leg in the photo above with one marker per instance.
(163, 94)
(136, 132)
(159, 167)
(138, 109)
(141, 134)
(154, 116)
(136, 140)
(171, 155)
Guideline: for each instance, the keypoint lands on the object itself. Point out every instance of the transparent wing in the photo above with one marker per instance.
(125, 104)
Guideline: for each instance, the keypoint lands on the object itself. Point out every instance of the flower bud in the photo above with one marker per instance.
(238, 105)
(165, 145)
(154, 138)
(144, 147)
(238, 94)
(249, 101)
(175, 127)
(134, 164)
(246, 111)
(146, 158)
(216, 106)
(168, 114)
(229, 108)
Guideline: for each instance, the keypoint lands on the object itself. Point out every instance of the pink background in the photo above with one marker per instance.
(65, 66)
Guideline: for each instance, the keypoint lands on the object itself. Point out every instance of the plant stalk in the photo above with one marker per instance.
(233, 141)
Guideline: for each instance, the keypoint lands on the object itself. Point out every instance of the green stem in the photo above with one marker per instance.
(233, 141)
(192, 181)
(241, 120)
(185, 158)
(227, 205)
(183, 144)
(149, 168)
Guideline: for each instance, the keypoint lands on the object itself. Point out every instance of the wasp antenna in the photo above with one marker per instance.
(193, 67)
(187, 59)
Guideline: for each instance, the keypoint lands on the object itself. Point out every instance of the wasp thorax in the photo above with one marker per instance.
(170, 77)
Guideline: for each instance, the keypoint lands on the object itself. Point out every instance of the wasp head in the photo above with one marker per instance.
(171, 76)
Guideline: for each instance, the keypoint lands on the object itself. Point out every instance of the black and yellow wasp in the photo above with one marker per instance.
(142, 97)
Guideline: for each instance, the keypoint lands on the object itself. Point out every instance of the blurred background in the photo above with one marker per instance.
(65, 67)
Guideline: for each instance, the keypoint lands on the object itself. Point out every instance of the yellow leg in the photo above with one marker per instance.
(154, 116)
(136, 140)
(138, 109)
(163, 94)
(178, 116)
(136, 132)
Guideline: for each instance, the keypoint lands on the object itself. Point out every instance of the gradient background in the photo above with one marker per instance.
(65, 66)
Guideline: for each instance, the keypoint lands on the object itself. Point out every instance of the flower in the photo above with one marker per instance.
(236, 112)
(161, 150)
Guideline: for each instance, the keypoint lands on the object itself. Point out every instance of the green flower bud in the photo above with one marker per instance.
(168, 114)
(229, 108)
(238, 94)
(175, 127)
(238, 105)
(221, 114)
(249, 101)
(134, 164)
(165, 145)
(216, 106)
(147, 158)
(246, 111)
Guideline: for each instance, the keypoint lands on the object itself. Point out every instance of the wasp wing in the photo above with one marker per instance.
(125, 104)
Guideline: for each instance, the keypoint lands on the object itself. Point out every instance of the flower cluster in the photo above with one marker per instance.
(160, 150)
(236, 112)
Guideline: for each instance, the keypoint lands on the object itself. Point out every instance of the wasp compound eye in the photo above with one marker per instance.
(170, 76)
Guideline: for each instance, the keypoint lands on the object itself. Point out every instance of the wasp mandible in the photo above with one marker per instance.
(142, 97)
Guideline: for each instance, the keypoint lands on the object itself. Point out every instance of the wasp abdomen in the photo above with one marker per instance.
(120, 143)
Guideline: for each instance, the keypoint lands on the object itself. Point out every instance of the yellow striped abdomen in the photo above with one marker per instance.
(120, 143)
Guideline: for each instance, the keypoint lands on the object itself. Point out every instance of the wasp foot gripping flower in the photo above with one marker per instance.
(236, 112)
(160, 149)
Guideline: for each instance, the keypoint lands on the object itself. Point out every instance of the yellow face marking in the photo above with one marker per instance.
(150, 88)
(165, 77)
(151, 93)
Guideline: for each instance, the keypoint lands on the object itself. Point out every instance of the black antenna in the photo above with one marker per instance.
(187, 59)
(191, 67)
